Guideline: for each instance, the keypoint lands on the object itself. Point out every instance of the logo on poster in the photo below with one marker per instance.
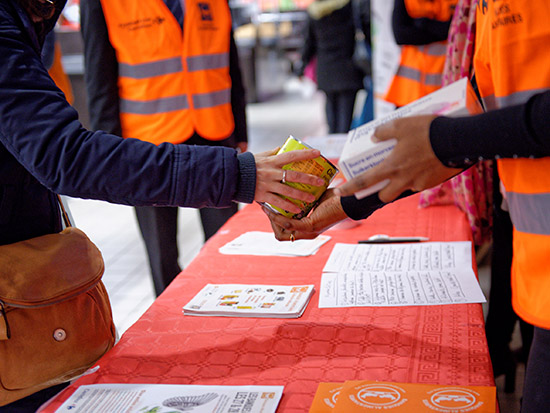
(331, 401)
(453, 400)
(379, 396)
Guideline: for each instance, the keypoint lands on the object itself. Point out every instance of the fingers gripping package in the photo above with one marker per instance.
(360, 153)
(319, 166)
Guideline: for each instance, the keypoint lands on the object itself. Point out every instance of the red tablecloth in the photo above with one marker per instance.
(430, 344)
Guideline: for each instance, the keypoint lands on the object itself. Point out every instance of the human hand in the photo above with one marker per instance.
(411, 164)
(328, 213)
(270, 182)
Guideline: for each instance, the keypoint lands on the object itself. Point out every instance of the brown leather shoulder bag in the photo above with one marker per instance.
(55, 314)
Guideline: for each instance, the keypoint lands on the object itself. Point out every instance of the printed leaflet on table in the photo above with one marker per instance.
(170, 398)
(238, 300)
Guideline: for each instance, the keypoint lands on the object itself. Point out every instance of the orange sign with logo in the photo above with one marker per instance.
(364, 396)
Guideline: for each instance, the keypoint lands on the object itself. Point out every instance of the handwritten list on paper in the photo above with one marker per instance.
(427, 273)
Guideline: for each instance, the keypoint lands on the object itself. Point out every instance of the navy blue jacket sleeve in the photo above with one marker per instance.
(43, 134)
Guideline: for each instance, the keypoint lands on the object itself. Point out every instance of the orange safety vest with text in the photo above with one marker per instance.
(512, 64)
(172, 84)
(420, 70)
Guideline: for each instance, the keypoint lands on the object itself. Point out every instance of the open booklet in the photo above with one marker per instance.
(238, 300)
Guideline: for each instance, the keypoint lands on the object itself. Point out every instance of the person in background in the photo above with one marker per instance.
(157, 72)
(431, 150)
(330, 37)
(513, 78)
(421, 29)
(45, 150)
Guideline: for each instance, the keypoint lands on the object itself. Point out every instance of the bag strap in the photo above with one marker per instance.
(64, 213)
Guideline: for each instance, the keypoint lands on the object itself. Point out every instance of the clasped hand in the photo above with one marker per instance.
(269, 178)
(412, 164)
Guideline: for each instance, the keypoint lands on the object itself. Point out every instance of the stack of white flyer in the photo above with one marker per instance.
(238, 300)
(404, 274)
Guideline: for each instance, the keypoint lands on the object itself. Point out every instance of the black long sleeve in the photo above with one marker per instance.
(409, 31)
(517, 131)
(362, 208)
(101, 69)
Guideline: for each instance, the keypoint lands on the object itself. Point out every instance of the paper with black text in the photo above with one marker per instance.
(426, 273)
(134, 398)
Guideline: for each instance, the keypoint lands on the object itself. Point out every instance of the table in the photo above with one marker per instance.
(425, 344)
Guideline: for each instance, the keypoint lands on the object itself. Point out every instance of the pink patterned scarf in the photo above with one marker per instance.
(471, 190)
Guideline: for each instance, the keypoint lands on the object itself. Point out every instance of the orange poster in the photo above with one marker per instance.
(326, 397)
(364, 396)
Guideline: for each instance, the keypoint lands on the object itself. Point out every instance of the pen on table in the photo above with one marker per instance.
(386, 239)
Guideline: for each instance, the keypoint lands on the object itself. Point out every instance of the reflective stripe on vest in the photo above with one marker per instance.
(416, 75)
(491, 102)
(419, 73)
(511, 65)
(530, 212)
(172, 84)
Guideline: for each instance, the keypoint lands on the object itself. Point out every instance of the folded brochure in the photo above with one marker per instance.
(238, 300)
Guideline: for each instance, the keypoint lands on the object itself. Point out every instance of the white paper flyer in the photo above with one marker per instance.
(172, 398)
(239, 300)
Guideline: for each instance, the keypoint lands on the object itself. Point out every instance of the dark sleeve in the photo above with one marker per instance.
(517, 131)
(238, 94)
(48, 50)
(101, 69)
(362, 208)
(42, 133)
(365, 19)
(409, 31)
(246, 188)
(309, 49)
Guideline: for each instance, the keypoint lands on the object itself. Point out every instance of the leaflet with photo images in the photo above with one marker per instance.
(171, 398)
(238, 300)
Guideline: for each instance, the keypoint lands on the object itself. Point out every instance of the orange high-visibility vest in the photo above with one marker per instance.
(441, 10)
(172, 84)
(59, 76)
(512, 64)
(420, 70)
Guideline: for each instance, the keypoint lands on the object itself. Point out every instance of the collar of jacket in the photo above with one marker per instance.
(38, 31)
(321, 8)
